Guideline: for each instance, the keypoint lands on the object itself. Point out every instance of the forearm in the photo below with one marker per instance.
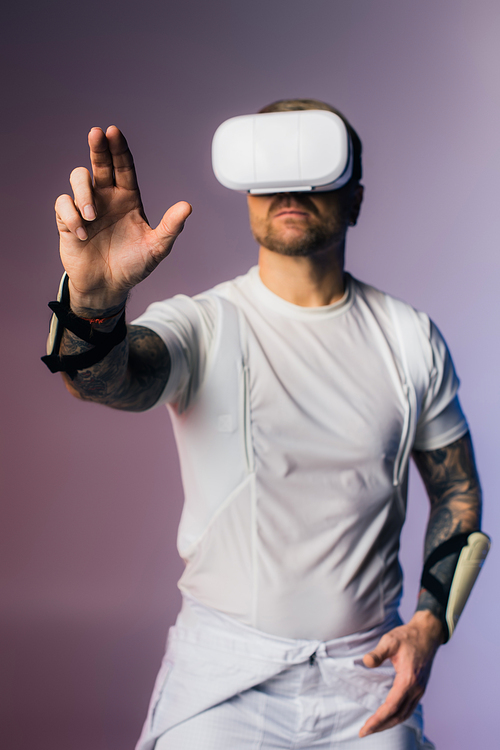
(452, 483)
(451, 480)
(131, 377)
(107, 247)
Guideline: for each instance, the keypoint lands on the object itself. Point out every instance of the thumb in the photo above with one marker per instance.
(384, 649)
(171, 225)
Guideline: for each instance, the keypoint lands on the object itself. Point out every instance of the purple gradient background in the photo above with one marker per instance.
(92, 497)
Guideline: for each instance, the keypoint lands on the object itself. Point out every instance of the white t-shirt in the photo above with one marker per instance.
(293, 434)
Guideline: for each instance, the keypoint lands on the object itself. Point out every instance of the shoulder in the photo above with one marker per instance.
(400, 313)
(203, 301)
(233, 289)
(192, 322)
(413, 336)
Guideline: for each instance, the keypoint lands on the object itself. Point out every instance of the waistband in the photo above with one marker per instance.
(201, 624)
(211, 657)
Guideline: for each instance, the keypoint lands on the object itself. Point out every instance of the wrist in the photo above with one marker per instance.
(430, 624)
(100, 305)
(102, 332)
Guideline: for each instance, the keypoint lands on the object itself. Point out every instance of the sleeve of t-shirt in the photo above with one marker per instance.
(441, 420)
(186, 326)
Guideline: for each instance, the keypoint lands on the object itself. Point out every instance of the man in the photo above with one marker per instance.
(289, 392)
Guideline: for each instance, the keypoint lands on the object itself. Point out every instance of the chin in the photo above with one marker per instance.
(292, 250)
(297, 240)
(298, 246)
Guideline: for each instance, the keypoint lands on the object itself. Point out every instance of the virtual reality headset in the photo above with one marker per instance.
(283, 152)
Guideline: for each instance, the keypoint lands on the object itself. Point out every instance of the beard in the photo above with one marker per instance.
(294, 237)
(311, 240)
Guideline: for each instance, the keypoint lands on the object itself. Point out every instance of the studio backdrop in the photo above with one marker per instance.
(91, 497)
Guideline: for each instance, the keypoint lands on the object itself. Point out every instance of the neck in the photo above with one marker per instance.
(312, 281)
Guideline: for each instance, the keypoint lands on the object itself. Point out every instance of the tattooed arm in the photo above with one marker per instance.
(452, 483)
(451, 480)
(131, 377)
(107, 247)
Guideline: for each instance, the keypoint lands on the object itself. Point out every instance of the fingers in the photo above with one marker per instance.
(401, 701)
(112, 162)
(412, 661)
(123, 163)
(100, 158)
(169, 228)
(112, 165)
(68, 218)
(385, 648)
(70, 214)
(81, 183)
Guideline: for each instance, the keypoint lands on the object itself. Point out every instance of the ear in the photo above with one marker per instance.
(357, 199)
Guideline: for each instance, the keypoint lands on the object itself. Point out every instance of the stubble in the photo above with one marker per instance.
(297, 237)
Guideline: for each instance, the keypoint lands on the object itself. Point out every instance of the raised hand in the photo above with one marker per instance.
(106, 243)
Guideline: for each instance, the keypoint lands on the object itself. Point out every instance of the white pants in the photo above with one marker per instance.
(224, 686)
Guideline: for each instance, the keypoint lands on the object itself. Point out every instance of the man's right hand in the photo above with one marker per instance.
(106, 243)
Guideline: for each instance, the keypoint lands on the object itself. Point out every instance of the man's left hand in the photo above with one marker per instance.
(411, 649)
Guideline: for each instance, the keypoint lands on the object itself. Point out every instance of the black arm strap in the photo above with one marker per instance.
(102, 343)
(429, 581)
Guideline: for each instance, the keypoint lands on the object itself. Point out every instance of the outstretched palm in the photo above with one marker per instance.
(106, 244)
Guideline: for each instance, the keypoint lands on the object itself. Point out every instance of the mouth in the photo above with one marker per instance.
(291, 212)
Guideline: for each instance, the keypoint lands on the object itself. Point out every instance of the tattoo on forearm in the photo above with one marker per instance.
(131, 377)
(452, 483)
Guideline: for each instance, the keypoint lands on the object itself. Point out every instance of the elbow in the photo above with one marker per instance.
(71, 388)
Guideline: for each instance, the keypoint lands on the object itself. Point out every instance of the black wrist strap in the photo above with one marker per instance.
(429, 581)
(101, 342)
(433, 585)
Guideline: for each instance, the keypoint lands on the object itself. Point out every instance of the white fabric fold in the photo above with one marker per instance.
(210, 658)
